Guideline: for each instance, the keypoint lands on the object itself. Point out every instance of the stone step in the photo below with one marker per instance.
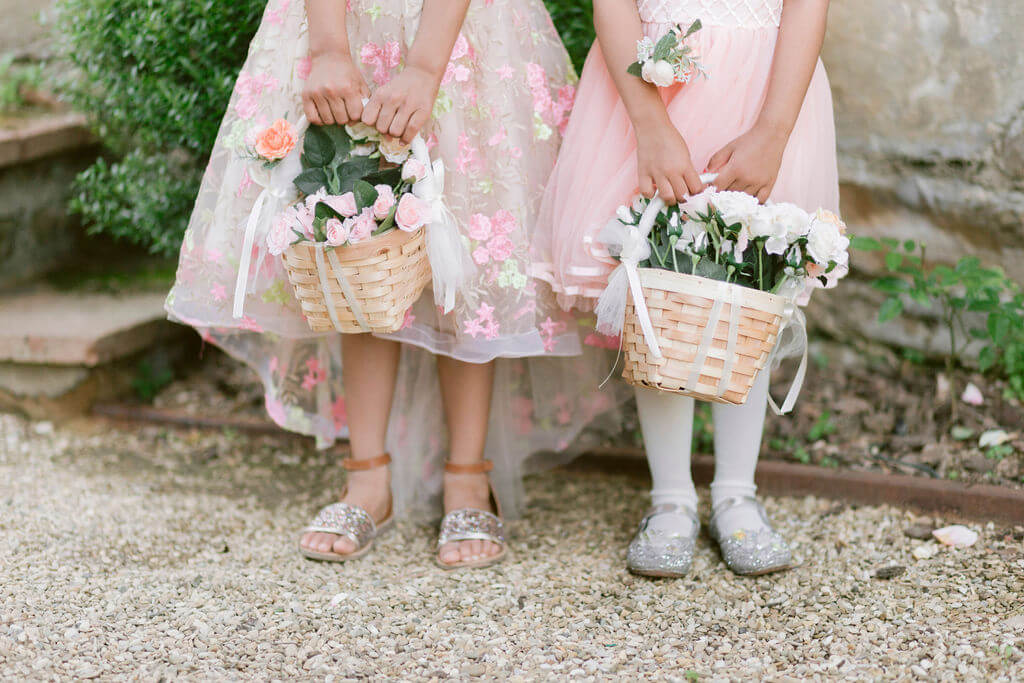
(47, 327)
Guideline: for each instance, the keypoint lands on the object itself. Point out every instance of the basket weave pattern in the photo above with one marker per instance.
(680, 308)
(385, 274)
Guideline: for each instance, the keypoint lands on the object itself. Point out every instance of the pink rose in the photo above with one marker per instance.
(280, 236)
(503, 222)
(246, 107)
(304, 217)
(481, 255)
(413, 170)
(500, 247)
(413, 213)
(479, 227)
(344, 204)
(337, 233)
(313, 199)
(385, 200)
(361, 227)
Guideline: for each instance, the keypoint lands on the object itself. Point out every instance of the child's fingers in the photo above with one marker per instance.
(665, 190)
(338, 110)
(418, 119)
(326, 116)
(720, 159)
(386, 116)
(726, 178)
(400, 122)
(679, 189)
(311, 113)
(694, 185)
(646, 186)
(764, 193)
(371, 111)
(354, 107)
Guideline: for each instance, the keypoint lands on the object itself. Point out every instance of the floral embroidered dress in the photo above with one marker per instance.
(497, 121)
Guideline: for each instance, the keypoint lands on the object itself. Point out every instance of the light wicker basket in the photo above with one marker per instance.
(714, 336)
(382, 277)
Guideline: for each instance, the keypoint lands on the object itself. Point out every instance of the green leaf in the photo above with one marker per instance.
(890, 285)
(910, 245)
(711, 270)
(665, 46)
(365, 194)
(355, 169)
(318, 148)
(311, 180)
(694, 27)
(387, 176)
(893, 260)
(635, 69)
(865, 243)
(987, 358)
(891, 308)
(341, 139)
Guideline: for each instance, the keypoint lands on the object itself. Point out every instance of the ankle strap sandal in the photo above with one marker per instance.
(349, 521)
(469, 524)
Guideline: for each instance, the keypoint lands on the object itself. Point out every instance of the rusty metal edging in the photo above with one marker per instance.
(981, 502)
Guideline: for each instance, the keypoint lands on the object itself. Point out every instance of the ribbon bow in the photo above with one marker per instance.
(449, 260)
(278, 192)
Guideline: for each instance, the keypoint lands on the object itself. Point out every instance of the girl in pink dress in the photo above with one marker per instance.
(489, 85)
(762, 121)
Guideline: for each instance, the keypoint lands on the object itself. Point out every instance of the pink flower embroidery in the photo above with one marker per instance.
(481, 255)
(473, 328)
(409, 319)
(503, 222)
(245, 183)
(246, 107)
(276, 15)
(303, 68)
(498, 137)
(315, 374)
(549, 329)
(460, 49)
(602, 341)
(218, 292)
(479, 227)
(506, 72)
(339, 412)
(250, 325)
(467, 159)
(275, 409)
(500, 248)
(382, 58)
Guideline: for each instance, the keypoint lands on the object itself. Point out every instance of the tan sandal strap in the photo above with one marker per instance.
(353, 465)
(476, 468)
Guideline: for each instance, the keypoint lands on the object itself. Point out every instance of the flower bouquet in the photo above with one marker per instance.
(668, 61)
(368, 231)
(705, 287)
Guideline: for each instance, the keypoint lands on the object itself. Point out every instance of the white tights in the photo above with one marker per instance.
(667, 424)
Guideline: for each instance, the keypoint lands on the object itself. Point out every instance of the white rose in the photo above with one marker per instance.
(735, 207)
(663, 74)
(647, 71)
(826, 243)
(790, 220)
(361, 131)
(639, 203)
(625, 215)
(697, 204)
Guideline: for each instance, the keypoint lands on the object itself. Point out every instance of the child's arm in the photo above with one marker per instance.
(335, 89)
(403, 106)
(663, 159)
(751, 162)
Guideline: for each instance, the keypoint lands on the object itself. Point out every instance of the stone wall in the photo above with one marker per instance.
(929, 99)
(22, 30)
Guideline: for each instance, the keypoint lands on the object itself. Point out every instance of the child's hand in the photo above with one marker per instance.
(403, 106)
(663, 163)
(334, 91)
(750, 163)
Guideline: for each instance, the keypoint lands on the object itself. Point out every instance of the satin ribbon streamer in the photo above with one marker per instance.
(448, 256)
(278, 192)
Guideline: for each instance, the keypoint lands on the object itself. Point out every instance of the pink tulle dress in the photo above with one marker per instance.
(596, 169)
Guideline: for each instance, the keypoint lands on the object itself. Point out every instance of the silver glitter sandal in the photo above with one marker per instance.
(342, 519)
(750, 552)
(468, 524)
(663, 552)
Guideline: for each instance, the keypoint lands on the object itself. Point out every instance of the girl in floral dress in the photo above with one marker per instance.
(762, 120)
(489, 86)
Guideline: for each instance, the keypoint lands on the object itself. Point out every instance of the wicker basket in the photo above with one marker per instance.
(383, 276)
(709, 359)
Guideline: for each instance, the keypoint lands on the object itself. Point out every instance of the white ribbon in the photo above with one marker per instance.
(278, 192)
(449, 260)
(793, 322)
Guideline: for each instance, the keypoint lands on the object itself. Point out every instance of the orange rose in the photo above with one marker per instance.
(277, 141)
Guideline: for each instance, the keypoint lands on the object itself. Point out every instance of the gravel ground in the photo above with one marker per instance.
(149, 554)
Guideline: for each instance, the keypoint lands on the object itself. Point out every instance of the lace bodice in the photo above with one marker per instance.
(731, 13)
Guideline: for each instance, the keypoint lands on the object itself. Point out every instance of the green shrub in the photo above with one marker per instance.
(955, 292)
(156, 77)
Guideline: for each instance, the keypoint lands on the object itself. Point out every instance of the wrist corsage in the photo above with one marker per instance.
(668, 61)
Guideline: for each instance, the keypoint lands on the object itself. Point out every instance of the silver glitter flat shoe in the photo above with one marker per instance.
(468, 524)
(661, 551)
(750, 552)
(342, 519)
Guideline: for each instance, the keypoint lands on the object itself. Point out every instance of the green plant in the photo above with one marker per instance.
(822, 427)
(15, 79)
(157, 78)
(575, 23)
(958, 293)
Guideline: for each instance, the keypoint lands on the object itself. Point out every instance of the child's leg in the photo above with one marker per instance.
(466, 391)
(738, 432)
(667, 424)
(370, 367)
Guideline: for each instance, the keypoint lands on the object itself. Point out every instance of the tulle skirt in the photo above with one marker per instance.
(596, 169)
(497, 126)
